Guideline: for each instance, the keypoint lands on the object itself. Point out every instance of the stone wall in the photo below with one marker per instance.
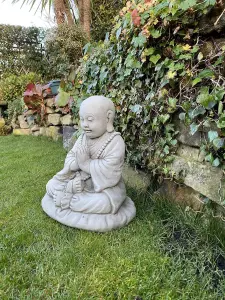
(198, 180)
(55, 121)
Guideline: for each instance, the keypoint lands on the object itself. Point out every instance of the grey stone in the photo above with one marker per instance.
(207, 23)
(2, 122)
(188, 153)
(50, 102)
(22, 122)
(35, 128)
(36, 133)
(203, 178)
(49, 110)
(53, 119)
(180, 194)
(43, 131)
(136, 179)
(21, 131)
(68, 140)
(66, 120)
(53, 132)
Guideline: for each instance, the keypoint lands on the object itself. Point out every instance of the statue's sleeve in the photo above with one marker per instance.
(106, 171)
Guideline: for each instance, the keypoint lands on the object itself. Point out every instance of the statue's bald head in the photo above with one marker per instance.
(98, 103)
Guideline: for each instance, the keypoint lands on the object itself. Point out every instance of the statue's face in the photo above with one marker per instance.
(93, 121)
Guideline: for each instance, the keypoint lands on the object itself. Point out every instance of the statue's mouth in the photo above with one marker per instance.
(87, 131)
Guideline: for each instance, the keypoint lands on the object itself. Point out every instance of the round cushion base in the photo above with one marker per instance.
(92, 222)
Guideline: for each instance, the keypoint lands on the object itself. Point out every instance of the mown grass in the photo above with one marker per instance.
(165, 253)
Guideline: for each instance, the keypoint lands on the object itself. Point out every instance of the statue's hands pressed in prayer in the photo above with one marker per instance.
(83, 159)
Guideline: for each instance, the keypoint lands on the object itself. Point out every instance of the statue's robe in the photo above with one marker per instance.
(104, 191)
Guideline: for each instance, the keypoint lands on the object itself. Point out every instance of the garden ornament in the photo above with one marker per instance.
(89, 192)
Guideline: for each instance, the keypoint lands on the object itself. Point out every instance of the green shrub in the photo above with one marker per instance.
(152, 66)
(103, 13)
(21, 50)
(12, 88)
(63, 48)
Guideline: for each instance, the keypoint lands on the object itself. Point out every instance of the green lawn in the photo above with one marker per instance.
(165, 253)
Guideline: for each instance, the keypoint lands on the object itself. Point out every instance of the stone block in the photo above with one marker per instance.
(53, 132)
(21, 131)
(188, 153)
(68, 139)
(136, 179)
(180, 194)
(29, 112)
(66, 120)
(49, 110)
(53, 119)
(50, 102)
(22, 122)
(202, 177)
(36, 133)
(35, 128)
(43, 131)
(2, 122)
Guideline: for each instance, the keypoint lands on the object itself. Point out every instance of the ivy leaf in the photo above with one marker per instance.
(182, 116)
(139, 41)
(212, 135)
(172, 102)
(218, 142)
(199, 110)
(207, 73)
(205, 99)
(164, 118)
(155, 33)
(118, 32)
(209, 157)
(193, 128)
(171, 75)
(221, 121)
(155, 58)
(216, 162)
(136, 108)
(187, 4)
(62, 98)
(149, 51)
(196, 80)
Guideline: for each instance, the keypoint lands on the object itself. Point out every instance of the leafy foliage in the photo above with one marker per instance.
(63, 48)
(21, 50)
(152, 65)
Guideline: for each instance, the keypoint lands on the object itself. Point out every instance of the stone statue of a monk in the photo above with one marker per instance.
(89, 192)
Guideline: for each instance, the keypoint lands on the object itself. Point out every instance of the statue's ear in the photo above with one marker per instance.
(110, 117)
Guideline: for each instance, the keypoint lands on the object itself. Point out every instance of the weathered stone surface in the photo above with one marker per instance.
(21, 131)
(68, 141)
(43, 131)
(53, 119)
(66, 120)
(180, 194)
(49, 110)
(29, 112)
(22, 122)
(184, 135)
(53, 132)
(35, 128)
(2, 122)
(211, 21)
(188, 153)
(203, 178)
(36, 133)
(136, 179)
(50, 102)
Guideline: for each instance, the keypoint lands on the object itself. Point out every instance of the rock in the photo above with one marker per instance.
(29, 112)
(49, 110)
(2, 122)
(180, 194)
(20, 131)
(35, 128)
(68, 140)
(22, 122)
(30, 120)
(188, 153)
(43, 131)
(208, 23)
(53, 132)
(36, 133)
(136, 179)
(66, 120)
(50, 102)
(184, 135)
(53, 119)
(203, 178)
